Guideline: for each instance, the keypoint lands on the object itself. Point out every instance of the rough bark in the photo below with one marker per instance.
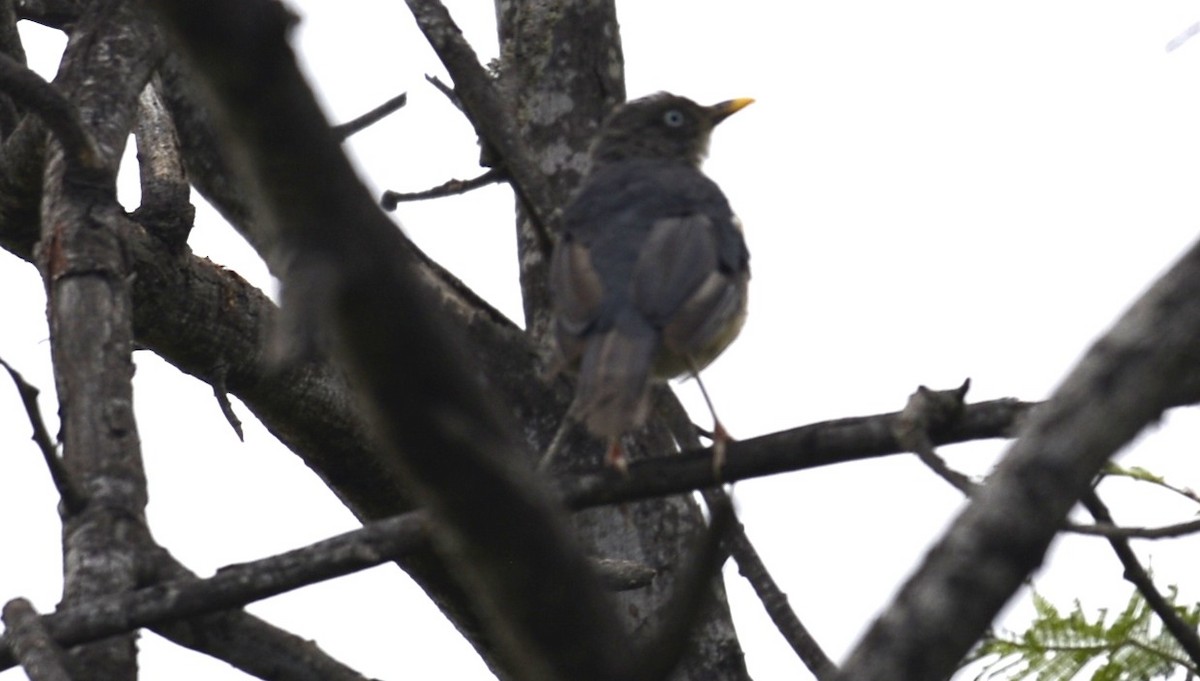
(562, 70)
(108, 59)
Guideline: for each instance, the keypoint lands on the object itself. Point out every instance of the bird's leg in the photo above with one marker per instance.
(615, 457)
(720, 436)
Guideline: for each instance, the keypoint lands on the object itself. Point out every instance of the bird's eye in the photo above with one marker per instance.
(673, 118)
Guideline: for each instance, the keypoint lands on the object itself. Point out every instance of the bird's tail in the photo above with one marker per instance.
(612, 397)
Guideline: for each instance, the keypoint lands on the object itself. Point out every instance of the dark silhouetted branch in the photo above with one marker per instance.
(72, 499)
(1127, 379)
(818, 444)
(1140, 578)
(345, 130)
(449, 188)
(482, 103)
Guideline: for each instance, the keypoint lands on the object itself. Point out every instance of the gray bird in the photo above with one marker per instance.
(649, 275)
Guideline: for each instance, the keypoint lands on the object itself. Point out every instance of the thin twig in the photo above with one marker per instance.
(1114, 532)
(222, 395)
(445, 90)
(449, 188)
(235, 585)
(749, 563)
(1137, 575)
(73, 499)
(344, 130)
(484, 107)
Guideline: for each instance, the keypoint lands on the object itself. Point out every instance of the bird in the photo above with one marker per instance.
(649, 275)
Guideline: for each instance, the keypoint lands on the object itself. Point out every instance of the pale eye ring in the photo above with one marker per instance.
(673, 118)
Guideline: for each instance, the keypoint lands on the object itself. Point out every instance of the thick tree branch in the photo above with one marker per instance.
(82, 257)
(1126, 380)
(501, 535)
(32, 646)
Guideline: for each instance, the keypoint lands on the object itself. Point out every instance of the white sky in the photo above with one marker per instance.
(931, 191)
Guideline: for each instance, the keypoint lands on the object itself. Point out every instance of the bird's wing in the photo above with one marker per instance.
(673, 261)
(680, 285)
(578, 293)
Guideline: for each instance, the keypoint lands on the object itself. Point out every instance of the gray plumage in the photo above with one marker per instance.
(650, 272)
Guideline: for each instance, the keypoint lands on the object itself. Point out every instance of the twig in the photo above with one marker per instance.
(72, 498)
(750, 564)
(449, 188)
(1136, 574)
(1140, 474)
(482, 103)
(1114, 532)
(234, 585)
(445, 90)
(343, 131)
(927, 409)
(222, 395)
(41, 659)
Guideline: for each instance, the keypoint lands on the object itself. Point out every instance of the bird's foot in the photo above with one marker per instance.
(615, 458)
(720, 440)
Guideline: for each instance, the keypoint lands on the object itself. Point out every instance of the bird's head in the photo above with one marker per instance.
(661, 126)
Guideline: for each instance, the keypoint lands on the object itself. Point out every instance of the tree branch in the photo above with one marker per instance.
(502, 537)
(72, 498)
(492, 120)
(82, 260)
(818, 444)
(1184, 633)
(233, 586)
(392, 199)
(1142, 366)
(344, 130)
(31, 645)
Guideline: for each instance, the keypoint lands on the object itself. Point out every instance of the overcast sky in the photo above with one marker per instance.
(931, 191)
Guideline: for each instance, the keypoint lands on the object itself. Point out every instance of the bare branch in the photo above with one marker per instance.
(1137, 575)
(1142, 366)
(165, 205)
(222, 395)
(928, 409)
(72, 499)
(818, 444)
(492, 120)
(749, 563)
(449, 188)
(345, 130)
(82, 259)
(449, 441)
(1113, 532)
(32, 646)
(59, 115)
(232, 586)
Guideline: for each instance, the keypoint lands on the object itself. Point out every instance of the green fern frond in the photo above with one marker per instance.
(1056, 647)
